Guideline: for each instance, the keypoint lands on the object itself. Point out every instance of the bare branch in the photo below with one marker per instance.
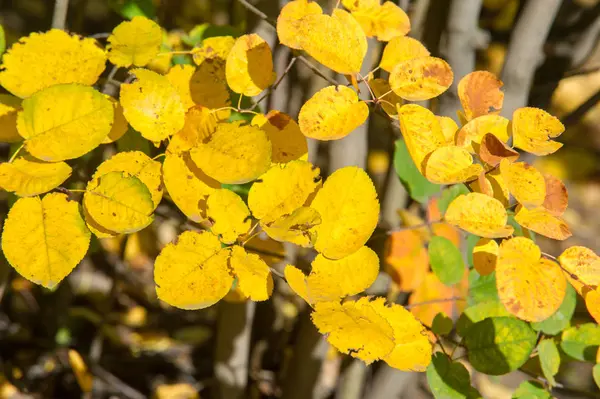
(59, 18)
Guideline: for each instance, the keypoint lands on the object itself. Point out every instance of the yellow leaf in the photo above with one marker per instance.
(282, 190)
(349, 212)
(480, 94)
(317, 34)
(494, 186)
(137, 164)
(421, 78)
(9, 107)
(119, 202)
(355, 328)
(412, 350)
(84, 378)
(557, 197)
(449, 128)
(524, 182)
(389, 100)
(254, 276)
(193, 272)
(543, 222)
(100, 231)
(285, 136)
(533, 129)
(180, 77)
(583, 263)
(213, 48)
(200, 123)
(41, 60)
(208, 87)
(401, 49)
(27, 176)
(134, 42)
(421, 131)
(234, 153)
(450, 165)
(297, 281)
(471, 134)
(332, 113)
(64, 122)
(485, 256)
(287, 21)
(120, 125)
(230, 215)
(296, 228)
(355, 5)
(592, 302)
(249, 67)
(152, 105)
(45, 239)
(530, 287)
(187, 185)
(479, 214)
(386, 21)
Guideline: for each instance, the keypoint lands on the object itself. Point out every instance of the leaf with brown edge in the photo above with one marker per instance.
(480, 94)
(557, 197)
(492, 150)
(543, 222)
(471, 134)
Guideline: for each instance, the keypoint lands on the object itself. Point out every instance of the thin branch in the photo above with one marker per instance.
(316, 70)
(59, 17)
(279, 80)
(257, 12)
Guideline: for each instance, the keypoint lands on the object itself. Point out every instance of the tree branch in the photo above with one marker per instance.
(579, 112)
(59, 18)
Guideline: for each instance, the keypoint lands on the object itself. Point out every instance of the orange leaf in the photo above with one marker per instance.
(480, 94)
(406, 259)
(557, 197)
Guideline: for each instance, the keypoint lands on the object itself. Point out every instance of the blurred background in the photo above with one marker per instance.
(547, 52)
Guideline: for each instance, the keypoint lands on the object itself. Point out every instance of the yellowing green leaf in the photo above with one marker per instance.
(134, 42)
(180, 77)
(44, 239)
(421, 78)
(285, 136)
(400, 49)
(213, 48)
(41, 60)
(480, 94)
(254, 276)
(479, 214)
(296, 228)
(543, 222)
(530, 287)
(524, 182)
(471, 134)
(119, 202)
(355, 328)
(450, 165)
(249, 67)
(533, 129)
(485, 256)
(152, 105)
(584, 263)
(234, 153)
(27, 176)
(317, 33)
(187, 185)
(287, 21)
(200, 123)
(193, 272)
(230, 215)
(282, 190)
(64, 122)
(421, 131)
(349, 212)
(332, 113)
(9, 107)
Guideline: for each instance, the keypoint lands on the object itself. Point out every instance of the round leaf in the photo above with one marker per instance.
(134, 42)
(446, 260)
(449, 380)
(581, 342)
(229, 214)
(422, 78)
(27, 176)
(253, 274)
(249, 68)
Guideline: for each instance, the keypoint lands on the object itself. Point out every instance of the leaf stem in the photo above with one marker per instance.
(16, 153)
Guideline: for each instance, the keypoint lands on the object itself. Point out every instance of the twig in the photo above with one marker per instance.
(257, 12)
(59, 17)
(116, 383)
(102, 35)
(274, 86)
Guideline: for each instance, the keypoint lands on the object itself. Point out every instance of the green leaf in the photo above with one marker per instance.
(549, 359)
(446, 260)
(448, 379)
(418, 187)
(596, 374)
(482, 288)
(499, 345)
(561, 319)
(531, 390)
(581, 342)
(471, 241)
(449, 194)
(476, 313)
(134, 8)
(441, 324)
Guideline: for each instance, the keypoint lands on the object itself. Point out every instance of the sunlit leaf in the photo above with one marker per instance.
(422, 78)
(533, 129)
(480, 94)
(479, 214)
(134, 42)
(249, 67)
(229, 214)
